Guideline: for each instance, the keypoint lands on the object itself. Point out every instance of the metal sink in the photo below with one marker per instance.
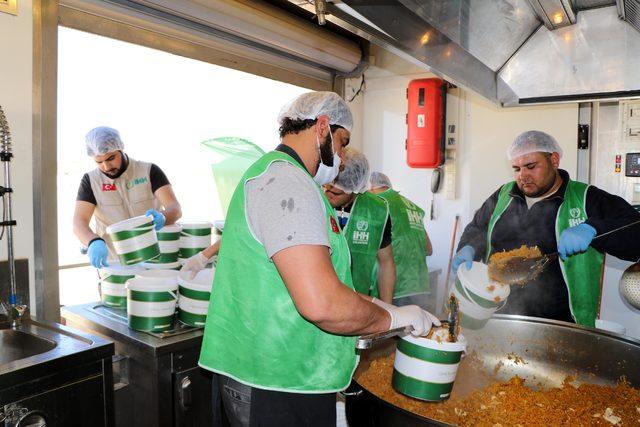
(16, 344)
(38, 346)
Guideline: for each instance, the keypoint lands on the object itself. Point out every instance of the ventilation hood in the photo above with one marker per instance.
(509, 51)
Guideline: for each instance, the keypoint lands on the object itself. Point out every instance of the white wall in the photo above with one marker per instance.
(606, 144)
(490, 130)
(483, 130)
(16, 85)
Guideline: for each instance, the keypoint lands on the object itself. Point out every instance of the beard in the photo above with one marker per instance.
(543, 189)
(326, 151)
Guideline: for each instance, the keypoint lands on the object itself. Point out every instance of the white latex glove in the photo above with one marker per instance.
(412, 315)
(382, 304)
(194, 264)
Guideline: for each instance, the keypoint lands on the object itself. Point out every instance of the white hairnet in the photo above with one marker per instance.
(102, 140)
(378, 179)
(355, 175)
(311, 105)
(533, 141)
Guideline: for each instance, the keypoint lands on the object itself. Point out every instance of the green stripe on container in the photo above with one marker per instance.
(116, 279)
(188, 232)
(190, 293)
(140, 255)
(168, 237)
(192, 319)
(144, 296)
(135, 232)
(424, 353)
(482, 302)
(189, 252)
(165, 258)
(114, 301)
(150, 323)
(420, 389)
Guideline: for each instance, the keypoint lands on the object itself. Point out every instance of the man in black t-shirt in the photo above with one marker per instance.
(369, 234)
(119, 188)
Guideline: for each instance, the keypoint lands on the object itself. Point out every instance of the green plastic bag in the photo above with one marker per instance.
(233, 157)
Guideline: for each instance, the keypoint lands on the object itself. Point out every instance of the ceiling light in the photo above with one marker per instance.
(558, 18)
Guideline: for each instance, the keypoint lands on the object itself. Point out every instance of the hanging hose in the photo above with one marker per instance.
(7, 220)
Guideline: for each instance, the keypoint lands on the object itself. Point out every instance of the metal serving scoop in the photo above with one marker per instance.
(521, 270)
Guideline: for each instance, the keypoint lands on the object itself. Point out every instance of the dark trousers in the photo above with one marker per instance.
(245, 406)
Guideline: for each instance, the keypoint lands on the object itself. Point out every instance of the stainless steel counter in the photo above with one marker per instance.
(112, 323)
(156, 375)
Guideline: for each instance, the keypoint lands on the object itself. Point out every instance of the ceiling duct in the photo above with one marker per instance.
(500, 48)
(598, 57)
(554, 14)
(629, 10)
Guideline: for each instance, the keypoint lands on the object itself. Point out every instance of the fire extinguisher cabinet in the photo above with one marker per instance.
(425, 122)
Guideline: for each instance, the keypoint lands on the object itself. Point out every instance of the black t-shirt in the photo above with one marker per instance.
(156, 177)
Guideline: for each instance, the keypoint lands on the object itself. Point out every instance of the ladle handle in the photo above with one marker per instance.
(616, 229)
(553, 255)
(366, 341)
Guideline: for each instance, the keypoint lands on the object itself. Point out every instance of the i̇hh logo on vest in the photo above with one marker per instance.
(577, 217)
(360, 234)
(136, 181)
(413, 215)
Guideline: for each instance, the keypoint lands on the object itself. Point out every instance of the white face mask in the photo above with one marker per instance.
(326, 174)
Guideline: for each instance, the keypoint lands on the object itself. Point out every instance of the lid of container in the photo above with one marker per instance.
(159, 274)
(173, 228)
(148, 284)
(477, 281)
(203, 280)
(196, 224)
(130, 224)
(161, 266)
(117, 269)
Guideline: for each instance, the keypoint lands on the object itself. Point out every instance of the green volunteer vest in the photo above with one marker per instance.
(253, 331)
(409, 245)
(364, 232)
(581, 272)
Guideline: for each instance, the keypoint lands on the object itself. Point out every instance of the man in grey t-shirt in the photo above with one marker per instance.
(287, 215)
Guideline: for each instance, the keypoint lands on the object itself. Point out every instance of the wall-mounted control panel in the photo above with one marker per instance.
(632, 165)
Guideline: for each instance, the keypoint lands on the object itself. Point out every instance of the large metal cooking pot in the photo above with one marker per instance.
(552, 350)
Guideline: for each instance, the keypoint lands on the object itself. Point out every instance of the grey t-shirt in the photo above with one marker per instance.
(284, 209)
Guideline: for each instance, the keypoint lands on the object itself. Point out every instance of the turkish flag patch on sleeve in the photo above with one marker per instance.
(334, 225)
(108, 187)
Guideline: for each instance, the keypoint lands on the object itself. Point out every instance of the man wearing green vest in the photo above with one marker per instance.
(283, 316)
(410, 243)
(543, 207)
(364, 220)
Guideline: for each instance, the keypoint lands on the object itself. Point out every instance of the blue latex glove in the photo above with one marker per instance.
(576, 239)
(97, 253)
(158, 218)
(464, 255)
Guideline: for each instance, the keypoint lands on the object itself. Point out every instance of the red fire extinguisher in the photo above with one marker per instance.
(425, 122)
